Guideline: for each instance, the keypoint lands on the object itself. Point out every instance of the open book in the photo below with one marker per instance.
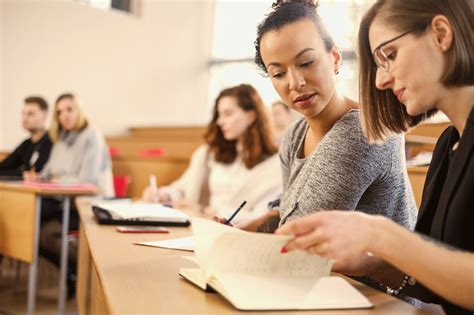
(249, 271)
(138, 214)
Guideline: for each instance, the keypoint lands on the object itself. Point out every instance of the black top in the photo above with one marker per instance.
(447, 206)
(24, 157)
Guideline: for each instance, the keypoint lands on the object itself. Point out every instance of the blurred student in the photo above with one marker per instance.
(79, 155)
(237, 163)
(33, 153)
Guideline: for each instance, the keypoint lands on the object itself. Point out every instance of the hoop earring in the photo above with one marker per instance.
(336, 71)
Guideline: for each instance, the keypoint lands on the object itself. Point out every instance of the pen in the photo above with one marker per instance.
(235, 212)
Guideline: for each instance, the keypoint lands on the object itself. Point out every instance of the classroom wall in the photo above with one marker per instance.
(128, 70)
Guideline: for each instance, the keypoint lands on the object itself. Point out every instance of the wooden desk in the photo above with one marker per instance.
(20, 213)
(117, 277)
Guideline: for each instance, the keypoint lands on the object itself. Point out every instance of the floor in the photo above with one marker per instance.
(13, 289)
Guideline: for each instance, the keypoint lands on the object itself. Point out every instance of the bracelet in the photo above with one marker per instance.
(406, 280)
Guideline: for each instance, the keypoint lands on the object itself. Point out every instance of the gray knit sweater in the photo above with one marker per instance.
(81, 157)
(345, 172)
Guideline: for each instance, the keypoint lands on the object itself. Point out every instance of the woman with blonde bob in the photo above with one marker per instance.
(415, 58)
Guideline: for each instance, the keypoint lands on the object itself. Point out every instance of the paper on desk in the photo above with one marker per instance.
(190, 258)
(183, 243)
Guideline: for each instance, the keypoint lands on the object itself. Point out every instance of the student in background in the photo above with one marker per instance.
(282, 117)
(326, 160)
(79, 155)
(415, 58)
(33, 153)
(237, 163)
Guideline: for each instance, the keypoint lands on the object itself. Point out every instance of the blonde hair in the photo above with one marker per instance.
(56, 129)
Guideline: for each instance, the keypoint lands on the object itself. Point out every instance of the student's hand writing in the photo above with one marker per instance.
(343, 236)
(155, 196)
(220, 218)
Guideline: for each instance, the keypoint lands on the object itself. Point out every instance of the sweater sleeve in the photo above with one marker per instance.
(12, 165)
(337, 174)
(44, 151)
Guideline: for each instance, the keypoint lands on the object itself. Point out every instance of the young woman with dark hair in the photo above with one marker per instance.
(237, 163)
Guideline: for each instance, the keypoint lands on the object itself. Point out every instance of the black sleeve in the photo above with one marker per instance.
(12, 165)
(44, 151)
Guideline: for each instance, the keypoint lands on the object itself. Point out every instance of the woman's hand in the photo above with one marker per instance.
(343, 236)
(30, 176)
(220, 218)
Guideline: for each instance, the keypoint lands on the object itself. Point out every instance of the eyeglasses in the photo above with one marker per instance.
(382, 60)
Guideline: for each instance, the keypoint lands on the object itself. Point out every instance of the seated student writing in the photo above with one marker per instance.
(79, 155)
(415, 58)
(325, 158)
(237, 163)
(33, 153)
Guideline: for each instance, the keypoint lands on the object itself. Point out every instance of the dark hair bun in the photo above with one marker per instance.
(279, 3)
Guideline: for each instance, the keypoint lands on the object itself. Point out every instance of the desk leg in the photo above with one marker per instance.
(64, 255)
(33, 272)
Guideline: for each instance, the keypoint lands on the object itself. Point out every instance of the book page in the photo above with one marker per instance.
(183, 243)
(263, 292)
(206, 232)
(258, 253)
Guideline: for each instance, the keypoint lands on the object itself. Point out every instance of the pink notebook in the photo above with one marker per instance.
(60, 186)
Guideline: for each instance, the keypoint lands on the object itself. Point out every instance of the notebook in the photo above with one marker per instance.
(250, 272)
(182, 243)
(138, 214)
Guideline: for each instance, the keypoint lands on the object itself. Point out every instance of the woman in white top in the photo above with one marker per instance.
(237, 163)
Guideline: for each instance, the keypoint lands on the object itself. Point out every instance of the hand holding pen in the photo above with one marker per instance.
(222, 219)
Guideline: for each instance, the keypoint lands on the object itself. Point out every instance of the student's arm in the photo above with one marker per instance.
(44, 153)
(11, 165)
(190, 185)
(446, 271)
(347, 237)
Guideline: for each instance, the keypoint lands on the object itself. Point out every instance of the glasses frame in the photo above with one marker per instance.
(378, 50)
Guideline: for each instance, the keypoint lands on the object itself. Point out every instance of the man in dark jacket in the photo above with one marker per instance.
(33, 153)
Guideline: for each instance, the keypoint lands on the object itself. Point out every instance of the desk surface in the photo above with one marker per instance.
(44, 190)
(139, 279)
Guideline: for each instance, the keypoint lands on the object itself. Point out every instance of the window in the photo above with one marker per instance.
(130, 6)
(235, 31)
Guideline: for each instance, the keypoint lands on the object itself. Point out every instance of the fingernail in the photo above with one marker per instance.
(283, 250)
